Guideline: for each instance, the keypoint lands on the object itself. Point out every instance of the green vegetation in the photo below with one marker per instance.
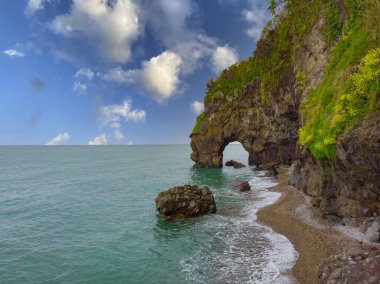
(198, 123)
(274, 51)
(350, 88)
(301, 79)
(333, 25)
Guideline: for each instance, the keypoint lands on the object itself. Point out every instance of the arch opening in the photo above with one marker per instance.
(234, 151)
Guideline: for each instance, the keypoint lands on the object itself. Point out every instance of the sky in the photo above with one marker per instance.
(96, 72)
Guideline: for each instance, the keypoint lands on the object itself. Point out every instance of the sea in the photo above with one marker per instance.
(86, 214)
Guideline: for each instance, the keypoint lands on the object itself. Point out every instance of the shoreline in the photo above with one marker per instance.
(314, 242)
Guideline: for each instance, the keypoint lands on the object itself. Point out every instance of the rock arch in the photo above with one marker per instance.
(268, 134)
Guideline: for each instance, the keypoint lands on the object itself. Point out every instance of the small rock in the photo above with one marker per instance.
(336, 273)
(373, 232)
(315, 202)
(272, 172)
(234, 164)
(356, 251)
(244, 186)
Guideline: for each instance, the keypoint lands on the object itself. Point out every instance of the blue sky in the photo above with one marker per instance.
(115, 71)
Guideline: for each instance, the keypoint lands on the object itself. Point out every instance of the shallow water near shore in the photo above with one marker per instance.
(80, 214)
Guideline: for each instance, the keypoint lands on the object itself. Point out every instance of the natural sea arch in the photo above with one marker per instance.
(263, 146)
(235, 151)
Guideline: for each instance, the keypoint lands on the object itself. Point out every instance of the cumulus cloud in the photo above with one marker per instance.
(193, 51)
(36, 84)
(33, 6)
(112, 26)
(80, 88)
(59, 139)
(130, 143)
(197, 107)
(13, 53)
(159, 76)
(113, 114)
(223, 57)
(256, 16)
(85, 73)
(99, 140)
(119, 136)
(119, 75)
(168, 20)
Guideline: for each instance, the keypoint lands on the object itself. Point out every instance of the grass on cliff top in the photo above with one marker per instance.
(351, 86)
(274, 53)
(198, 123)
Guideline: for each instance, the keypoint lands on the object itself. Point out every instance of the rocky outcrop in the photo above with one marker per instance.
(351, 186)
(269, 134)
(358, 265)
(272, 172)
(234, 164)
(185, 201)
(244, 187)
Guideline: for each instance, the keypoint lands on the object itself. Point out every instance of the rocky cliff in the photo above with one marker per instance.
(309, 96)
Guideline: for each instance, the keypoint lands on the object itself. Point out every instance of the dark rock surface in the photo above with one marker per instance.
(358, 265)
(185, 201)
(234, 164)
(272, 172)
(244, 186)
(352, 187)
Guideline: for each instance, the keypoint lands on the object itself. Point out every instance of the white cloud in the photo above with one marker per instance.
(119, 75)
(159, 76)
(130, 143)
(109, 115)
(112, 26)
(33, 6)
(193, 51)
(169, 21)
(59, 139)
(99, 140)
(223, 57)
(80, 88)
(197, 107)
(119, 136)
(13, 53)
(256, 17)
(85, 72)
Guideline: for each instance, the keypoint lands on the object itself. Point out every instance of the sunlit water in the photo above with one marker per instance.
(80, 214)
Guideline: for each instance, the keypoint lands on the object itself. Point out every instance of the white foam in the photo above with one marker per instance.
(251, 252)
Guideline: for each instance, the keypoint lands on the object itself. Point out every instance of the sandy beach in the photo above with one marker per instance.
(291, 216)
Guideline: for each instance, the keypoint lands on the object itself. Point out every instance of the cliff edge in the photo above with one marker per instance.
(309, 96)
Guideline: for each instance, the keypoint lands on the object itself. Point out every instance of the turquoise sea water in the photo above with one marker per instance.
(81, 214)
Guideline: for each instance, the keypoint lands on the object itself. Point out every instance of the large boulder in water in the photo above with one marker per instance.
(185, 201)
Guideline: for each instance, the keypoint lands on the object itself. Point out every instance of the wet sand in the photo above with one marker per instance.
(292, 217)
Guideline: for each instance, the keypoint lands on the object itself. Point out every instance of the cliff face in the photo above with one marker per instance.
(308, 96)
(269, 134)
(350, 187)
